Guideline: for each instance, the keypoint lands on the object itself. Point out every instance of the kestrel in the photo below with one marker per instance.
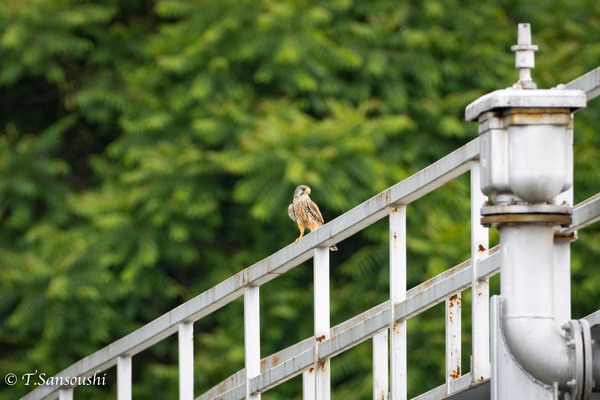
(305, 212)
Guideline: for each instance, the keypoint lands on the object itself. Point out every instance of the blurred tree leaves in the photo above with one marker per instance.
(149, 150)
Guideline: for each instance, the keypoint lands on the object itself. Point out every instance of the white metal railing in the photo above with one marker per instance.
(385, 324)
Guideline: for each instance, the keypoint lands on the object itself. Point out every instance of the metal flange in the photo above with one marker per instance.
(545, 214)
(579, 338)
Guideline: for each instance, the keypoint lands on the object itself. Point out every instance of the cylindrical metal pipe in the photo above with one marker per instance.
(527, 285)
(527, 281)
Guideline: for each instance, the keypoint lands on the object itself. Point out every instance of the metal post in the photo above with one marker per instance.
(453, 338)
(397, 294)
(562, 257)
(480, 289)
(124, 378)
(308, 384)
(252, 336)
(186, 361)
(380, 366)
(321, 314)
(65, 394)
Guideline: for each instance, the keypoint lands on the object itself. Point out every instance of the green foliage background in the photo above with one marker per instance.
(149, 150)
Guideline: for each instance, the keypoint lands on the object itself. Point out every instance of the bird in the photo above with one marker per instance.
(305, 212)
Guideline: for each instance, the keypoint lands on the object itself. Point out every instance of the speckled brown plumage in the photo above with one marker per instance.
(305, 212)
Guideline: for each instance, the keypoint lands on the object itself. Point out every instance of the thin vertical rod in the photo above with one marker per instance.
(65, 394)
(124, 378)
(453, 338)
(186, 361)
(380, 366)
(480, 289)
(252, 336)
(308, 384)
(322, 327)
(397, 227)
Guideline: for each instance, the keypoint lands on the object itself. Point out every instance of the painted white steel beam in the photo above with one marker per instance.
(397, 328)
(322, 325)
(186, 360)
(585, 213)
(124, 378)
(380, 366)
(252, 337)
(234, 381)
(456, 386)
(480, 287)
(363, 330)
(308, 384)
(589, 83)
(65, 394)
(453, 339)
(284, 371)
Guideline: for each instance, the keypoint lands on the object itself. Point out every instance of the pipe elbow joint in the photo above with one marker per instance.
(540, 349)
(550, 355)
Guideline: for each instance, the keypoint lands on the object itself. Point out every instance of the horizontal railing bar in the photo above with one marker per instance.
(428, 296)
(360, 332)
(585, 213)
(457, 279)
(236, 393)
(343, 326)
(490, 265)
(593, 318)
(589, 83)
(235, 380)
(283, 371)
(266, 364)
(286, 354)
(461, 383)
(456, 386)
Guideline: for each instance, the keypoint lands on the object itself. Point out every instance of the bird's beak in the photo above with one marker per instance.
(307, 190)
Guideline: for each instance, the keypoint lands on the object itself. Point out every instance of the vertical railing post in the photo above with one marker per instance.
(453, 339)
(397, 226)
(252, 336)
(65, 394)
(321, 314)
(124, 378)
(308, 384)
(186, 360)
(480, 290)
(380, 366)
